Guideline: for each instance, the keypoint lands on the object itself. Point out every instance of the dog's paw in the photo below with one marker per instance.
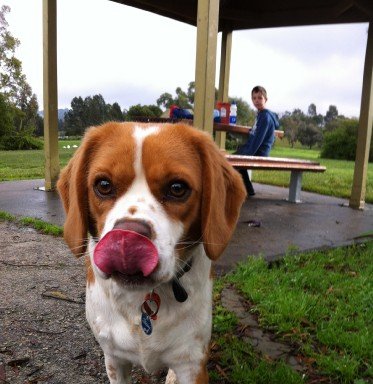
(171, 377)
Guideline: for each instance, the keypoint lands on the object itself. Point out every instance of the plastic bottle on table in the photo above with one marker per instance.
(233, 114)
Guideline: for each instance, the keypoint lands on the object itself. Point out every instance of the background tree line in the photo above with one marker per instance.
(335, 134)
(93, 110)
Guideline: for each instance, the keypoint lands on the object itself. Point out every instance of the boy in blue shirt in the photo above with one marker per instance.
(262, 135)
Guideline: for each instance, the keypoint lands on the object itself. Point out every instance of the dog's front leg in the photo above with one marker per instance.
(188, 374)
(118, 372)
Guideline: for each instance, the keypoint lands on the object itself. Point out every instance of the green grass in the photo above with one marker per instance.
(336, 181)
(5, 216)
(28, 165)
(237, 358)
(39, 225)
(320, 301)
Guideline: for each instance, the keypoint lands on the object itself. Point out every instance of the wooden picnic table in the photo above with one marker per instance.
(241, 129)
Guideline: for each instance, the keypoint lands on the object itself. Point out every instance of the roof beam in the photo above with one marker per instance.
(167, 8)
(294, 16)
(365, 6)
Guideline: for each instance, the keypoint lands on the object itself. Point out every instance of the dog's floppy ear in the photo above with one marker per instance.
(72, 187)
(223, 193)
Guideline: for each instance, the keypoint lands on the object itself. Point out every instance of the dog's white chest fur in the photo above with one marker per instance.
(115, 318)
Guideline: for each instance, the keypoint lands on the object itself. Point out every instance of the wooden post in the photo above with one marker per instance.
(225, 67)
(52, 167)
(357, 199)
(207, 33)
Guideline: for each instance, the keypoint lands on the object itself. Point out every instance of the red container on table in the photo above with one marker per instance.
(224, 110)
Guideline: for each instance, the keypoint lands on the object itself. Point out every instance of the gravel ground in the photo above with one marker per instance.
(44, 337)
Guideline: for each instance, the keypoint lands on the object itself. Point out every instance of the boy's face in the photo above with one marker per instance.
(259, 100)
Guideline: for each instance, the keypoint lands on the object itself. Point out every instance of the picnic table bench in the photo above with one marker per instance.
(295, 166)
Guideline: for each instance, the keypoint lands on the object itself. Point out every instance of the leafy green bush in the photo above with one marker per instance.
(20, 141)
(231, 144)
(341, 142)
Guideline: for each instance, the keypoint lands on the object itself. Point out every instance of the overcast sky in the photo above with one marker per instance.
(131, 57)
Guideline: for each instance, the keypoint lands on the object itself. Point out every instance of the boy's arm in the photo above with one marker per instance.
(256, 139)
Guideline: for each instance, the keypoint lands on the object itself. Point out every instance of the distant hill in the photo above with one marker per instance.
(61, 113)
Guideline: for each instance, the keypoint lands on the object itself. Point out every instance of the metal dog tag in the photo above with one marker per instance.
(149, 310)
(146, 324)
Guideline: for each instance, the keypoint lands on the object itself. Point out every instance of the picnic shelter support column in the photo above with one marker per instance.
(207, 33)
(225, 67)
(357, 199)
(52, 167)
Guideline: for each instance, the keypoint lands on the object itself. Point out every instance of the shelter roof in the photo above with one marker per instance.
(248, 14)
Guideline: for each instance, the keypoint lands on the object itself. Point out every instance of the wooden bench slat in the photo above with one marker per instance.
(264, 160)
(279, 167)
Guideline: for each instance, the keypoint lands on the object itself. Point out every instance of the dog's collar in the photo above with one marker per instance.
(179, 291)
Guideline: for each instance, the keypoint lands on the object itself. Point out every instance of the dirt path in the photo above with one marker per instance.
(44, 337)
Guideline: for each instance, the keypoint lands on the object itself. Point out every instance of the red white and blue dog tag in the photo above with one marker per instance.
(149, 310)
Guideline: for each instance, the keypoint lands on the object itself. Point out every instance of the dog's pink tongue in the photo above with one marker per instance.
(126, 252)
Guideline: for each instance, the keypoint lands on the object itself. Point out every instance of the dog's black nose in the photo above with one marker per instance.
(136, 226)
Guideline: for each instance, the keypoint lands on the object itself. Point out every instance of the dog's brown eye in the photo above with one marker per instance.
(178, 190)
(104, 188)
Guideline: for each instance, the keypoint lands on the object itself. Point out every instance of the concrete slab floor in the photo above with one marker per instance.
(318, 222)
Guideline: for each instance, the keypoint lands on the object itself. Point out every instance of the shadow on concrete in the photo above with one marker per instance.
(318, 222)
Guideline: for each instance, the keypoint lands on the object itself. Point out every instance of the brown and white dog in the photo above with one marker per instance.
(153, 205)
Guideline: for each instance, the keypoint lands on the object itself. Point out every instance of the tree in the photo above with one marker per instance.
(6, 118)
(76, 118)
(139, 110)
(309, 134)
(290, 126)
(341, 142)
(16, 93)
(191, 91)
(331, 114)
(165, 100)
(93, 110)
(96, 110)
(245, 115)
(39, 130)
(10, 66)
(314, 117)
(298, 115)
(13, 82)
(312, 110)
(182, 99)
(333, 119)
(291, 123)
(115, 112)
